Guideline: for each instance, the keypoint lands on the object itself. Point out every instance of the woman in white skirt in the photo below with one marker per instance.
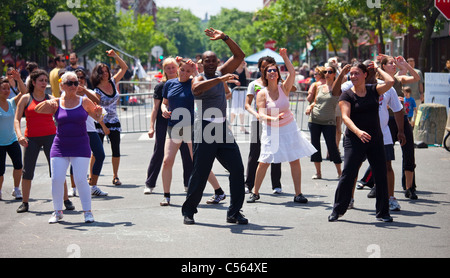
(281, 141)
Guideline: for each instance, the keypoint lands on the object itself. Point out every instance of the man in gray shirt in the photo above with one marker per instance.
(212, 138)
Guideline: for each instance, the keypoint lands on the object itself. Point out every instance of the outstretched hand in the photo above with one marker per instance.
(214, 34)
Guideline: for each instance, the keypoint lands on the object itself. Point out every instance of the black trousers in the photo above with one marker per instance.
(158, 156)
(355, 152)
(253, 155)
(205, 150)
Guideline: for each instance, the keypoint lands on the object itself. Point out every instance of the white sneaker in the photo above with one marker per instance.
(95, 191)
(88, 217)
(17, 194)
(72, 192)
(393, 204)
(277, 190)
(148, 190)
(56, 216)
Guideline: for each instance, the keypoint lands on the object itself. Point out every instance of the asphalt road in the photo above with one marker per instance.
(130, 224)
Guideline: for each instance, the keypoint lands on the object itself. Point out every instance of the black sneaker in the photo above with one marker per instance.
(237, 218)
(188, 220)
(409, 193)
(372, 193)
(300, 199)
(253, 197)
(22, 208)
(68, 204)
(334, 216)
(387, 218)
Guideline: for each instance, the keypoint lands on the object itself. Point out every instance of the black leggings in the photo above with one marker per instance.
(114, 138)
(15, 153)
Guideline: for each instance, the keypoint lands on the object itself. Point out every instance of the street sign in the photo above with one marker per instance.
(444, 7)
(157, 51)
(64, 26)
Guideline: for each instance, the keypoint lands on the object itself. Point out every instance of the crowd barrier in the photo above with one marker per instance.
(136, 104)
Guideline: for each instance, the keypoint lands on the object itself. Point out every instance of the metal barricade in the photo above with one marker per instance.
(136, 105)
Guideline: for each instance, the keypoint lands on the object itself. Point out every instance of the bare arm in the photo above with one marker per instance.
(151, 130)
(238, 55)
(289, 82)
(123, 66)
(94, 110)
(17, 119)
(47, 107)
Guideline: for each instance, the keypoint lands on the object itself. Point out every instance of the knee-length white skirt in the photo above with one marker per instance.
(284, 144)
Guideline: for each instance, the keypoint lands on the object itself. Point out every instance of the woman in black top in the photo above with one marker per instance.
(363, 138)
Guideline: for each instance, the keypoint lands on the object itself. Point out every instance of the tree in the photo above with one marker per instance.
(182, 29)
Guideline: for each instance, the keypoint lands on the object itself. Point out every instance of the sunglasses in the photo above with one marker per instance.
(272, 70)
(329, 72)
(72, 83)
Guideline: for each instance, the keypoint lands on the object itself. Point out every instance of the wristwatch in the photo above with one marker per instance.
(225, 38)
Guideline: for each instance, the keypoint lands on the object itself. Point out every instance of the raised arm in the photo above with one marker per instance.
(123, 66)
(22, 88)
(238, 55)
(388, 79)
(336, 90)
(290, 79)
(406, 79)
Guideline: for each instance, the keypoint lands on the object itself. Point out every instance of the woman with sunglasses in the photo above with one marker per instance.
(322, 120)
(71, 144)
(281, 140)
(108, 96)
(319, 76)
(98, 153)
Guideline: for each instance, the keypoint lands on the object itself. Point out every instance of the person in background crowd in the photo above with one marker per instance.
(323, 120)
(8, 139)
(410, 105)
(73, 63)
(389, 65)
(60, 61)
(15, 86)
(238, 95)
(105, 88)
(417, 91)
(320, 80)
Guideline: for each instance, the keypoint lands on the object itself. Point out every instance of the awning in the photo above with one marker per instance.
(253, 59)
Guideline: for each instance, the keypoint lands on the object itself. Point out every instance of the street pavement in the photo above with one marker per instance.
(133, 225)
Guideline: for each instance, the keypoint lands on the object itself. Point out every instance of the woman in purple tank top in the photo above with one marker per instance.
(71, 144)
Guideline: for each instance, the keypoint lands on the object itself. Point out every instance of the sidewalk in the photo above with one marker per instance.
(131, 224)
